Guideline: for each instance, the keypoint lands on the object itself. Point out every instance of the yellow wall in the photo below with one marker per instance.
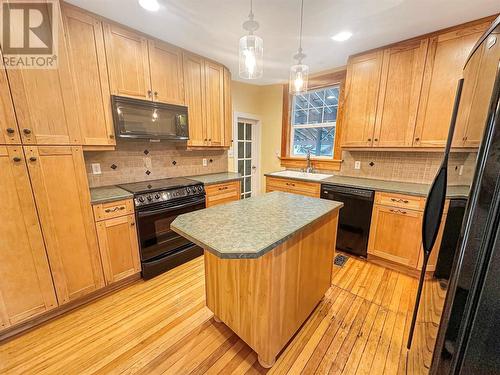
(265, 102)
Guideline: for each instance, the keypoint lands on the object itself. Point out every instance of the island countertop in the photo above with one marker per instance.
(250, 228)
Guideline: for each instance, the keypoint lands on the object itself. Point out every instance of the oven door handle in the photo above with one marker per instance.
(170, 208)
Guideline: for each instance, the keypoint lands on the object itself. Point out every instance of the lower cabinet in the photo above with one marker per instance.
(311, 189)
(62, 198)
(118, 245)
(26, 288)
(222, 193)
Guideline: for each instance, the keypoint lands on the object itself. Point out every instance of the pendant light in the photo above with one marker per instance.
(251, 50)
(299, 73)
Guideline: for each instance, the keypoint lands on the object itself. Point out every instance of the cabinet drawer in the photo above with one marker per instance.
(400, 200)
(110, 210)
(311, 189)
(222, 193)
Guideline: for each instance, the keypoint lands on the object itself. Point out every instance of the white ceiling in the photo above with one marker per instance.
(212, 28)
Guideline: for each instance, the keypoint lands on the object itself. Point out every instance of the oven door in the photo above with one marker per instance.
(155, 236)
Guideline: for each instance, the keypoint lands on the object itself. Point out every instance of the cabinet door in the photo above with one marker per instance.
(167, 80)
(119, 248)
(63, 201)
(446, 57)
(214, 108)
(44, 101)
(85, 40)
(395, 235)
(26, 288)
(9, 132)
(228, 109)
(360, 103)
(194, 87)
(128, 63)
(400, 85)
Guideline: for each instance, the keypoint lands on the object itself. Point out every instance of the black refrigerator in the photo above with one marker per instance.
(462, 331)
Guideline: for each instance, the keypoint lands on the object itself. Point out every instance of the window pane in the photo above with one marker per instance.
(241, 128)
(248, 195)
(330, 114)
(248, 183)
(300, 118)
(300, 101)
(248, 150)
(240, 166)
(248, 132)
(318, 98)
(241, 149)
(315, 116)
(248, 167)
(332, 96)
(318, 140)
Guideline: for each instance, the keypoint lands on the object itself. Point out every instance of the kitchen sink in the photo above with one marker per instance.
(296, 174)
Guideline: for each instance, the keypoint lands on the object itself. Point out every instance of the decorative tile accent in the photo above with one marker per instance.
(129, 156)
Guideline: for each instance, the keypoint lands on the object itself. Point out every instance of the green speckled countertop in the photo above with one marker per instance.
(216, 178)
(459, 191)
(250, 228)
(106, 194)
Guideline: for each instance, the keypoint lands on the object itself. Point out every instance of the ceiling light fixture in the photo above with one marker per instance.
(342, 36)
(299, 73)
(151, 5)
(251, 50)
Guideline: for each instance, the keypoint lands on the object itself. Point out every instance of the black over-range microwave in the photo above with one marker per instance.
(135, 118)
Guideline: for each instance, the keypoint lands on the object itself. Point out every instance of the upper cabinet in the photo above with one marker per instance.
(85, 40)
(128, 62)
(214, 105)
(167, 80)
(194, 83)
(401, 81)
(9, 132)
(360, 103)
(228, 109)
(445, 62)
(44, 101)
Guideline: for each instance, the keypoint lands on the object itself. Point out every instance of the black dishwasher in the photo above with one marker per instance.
(354, 217)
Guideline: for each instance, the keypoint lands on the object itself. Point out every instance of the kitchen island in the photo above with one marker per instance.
(268, 263)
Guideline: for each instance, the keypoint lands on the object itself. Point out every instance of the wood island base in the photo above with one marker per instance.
(265, 300)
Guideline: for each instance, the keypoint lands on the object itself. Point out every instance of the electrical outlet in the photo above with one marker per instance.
(205, 163)
(147, 162)
(96, 168)
(357, 164)
(461, 170)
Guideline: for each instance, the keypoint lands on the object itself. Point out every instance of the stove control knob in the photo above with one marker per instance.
(141, 199)
(150, 198)
(157, 196)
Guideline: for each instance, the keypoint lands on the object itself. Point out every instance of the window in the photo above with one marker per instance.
(313, 121)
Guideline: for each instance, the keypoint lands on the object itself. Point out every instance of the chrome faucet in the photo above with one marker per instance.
(309, 168)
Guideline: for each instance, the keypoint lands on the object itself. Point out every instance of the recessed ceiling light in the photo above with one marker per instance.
(151, 5)
(342, 36)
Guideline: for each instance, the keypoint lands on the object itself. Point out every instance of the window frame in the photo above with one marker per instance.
(329, 124)
(288, 160)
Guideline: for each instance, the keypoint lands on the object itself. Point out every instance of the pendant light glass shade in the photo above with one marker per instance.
(251, 57)
(299, 77)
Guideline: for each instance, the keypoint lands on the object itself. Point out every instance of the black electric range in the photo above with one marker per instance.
(157, 204)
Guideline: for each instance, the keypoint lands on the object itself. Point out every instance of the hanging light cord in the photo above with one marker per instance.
(301, 21)
(251, 10)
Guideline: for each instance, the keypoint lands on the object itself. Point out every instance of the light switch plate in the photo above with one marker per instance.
(461, 170)
(205, 162)
(357, 164)
(96, 168)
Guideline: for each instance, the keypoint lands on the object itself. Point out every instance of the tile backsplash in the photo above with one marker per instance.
(418, 167)
(134, 161)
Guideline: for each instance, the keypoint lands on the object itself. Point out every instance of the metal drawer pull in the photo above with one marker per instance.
(399, 200)
(290, 184)
(223, 188)
(10, 131)
(17, 159)
(114, 209)
(398, 211)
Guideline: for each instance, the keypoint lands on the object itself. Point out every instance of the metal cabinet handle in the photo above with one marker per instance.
(399, 200)
(10, 131)
(32, 158)
(417, 139)
(27, 131)
(156, 94)
(398, 211)
(16, 159)
(223, 188)
(210, 140)
(376, 139)
(150, 93)
(114, 209)
(111, 136)
(132, 224)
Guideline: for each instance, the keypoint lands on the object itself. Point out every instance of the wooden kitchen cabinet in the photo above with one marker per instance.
(228, 109)
(360, 103)
(399, 94)
(446, 58)
(119, 247)
(9, 132)
(85, 40)
(222, 193)
(44, 101)
(128, 62)
(311, 189)
(167, 81)
(194, 86)
(214, 103)
(26, 288)
(396, 235)
(62, 197)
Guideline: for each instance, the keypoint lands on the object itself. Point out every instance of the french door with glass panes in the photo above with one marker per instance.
(246, 156)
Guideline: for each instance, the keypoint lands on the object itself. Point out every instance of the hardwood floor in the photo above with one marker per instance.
(163, 327)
